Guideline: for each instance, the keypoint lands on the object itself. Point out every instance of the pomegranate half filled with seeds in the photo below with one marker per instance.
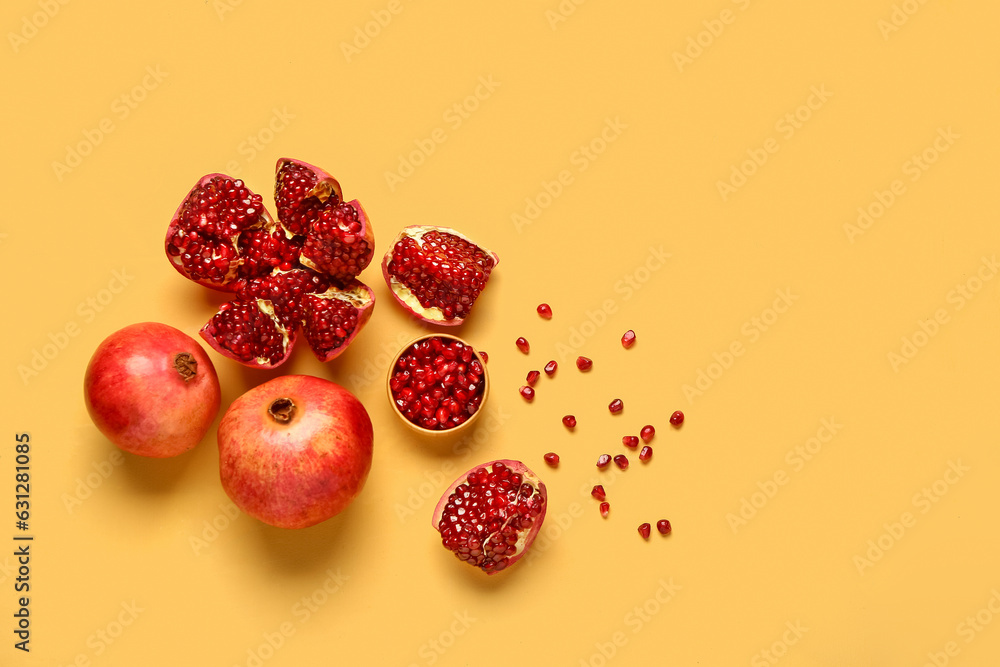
(437, 384)
(437, 273)
(490, 516)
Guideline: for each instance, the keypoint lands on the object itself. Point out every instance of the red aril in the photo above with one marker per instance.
(527, 393)
(616, 406)
(663, 526)
(645, 453)
(295, 450)
(644, 530)
(532, 378)
(630, 441)
(621, 461)
(603, 460)
(628, 339)
(522, 344)
(584, 364)
(677, 418)
(598, 492)
(569, 421)
(436, 273)
(151, 390)
(605, 508)
(646, 433)
(550, 368)
(545, 311)
(490, 516)
(552, 459)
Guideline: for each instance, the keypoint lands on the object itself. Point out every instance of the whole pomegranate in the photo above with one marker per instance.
(295, 450)
(490, 515)
(152, 390)
(437, 273)
(296, 272)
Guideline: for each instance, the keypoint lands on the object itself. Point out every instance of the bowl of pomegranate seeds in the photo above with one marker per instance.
(437, 384)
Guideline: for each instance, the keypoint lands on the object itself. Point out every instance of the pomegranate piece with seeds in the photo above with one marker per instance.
(545, 311)
(644, 530)
(221, 236)
(437, 383)
(677, 418)
(584, 364)
(628, 339)
(552, 459)
(550, 368)
(569, 421)
(436, 273)
(616, 406)
(490, 516)
(663, 526)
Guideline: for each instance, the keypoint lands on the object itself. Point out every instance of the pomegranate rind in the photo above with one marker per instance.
(362, 298)
(524, 541)
(405, 296)
(228, 284)
(288, 337)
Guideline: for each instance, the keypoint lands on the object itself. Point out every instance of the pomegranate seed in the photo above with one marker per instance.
(550, 368)
(628, 339)
(569, 421)
(647, 433)
(644, 531)
(677, 418)
(545, 311)
(621, 461)
(645, 453)
(663, 526)
(522, 344)
(528, 393)
(616, 406)
(603, 460)
(532, 377)
(598, 492)
(552, 459)
(584, 364)
(630, 441)
(485, 356)
(605, 507)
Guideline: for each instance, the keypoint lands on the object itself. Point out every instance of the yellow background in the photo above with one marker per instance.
(120, 540)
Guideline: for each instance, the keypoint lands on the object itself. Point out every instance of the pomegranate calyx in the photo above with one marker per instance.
(186, 366)
(281, 410)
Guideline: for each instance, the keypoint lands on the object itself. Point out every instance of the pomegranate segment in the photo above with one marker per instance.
(331, 319)
(205, 231)
(490, 516)
(249, 332)
(437, 383)
(436, 273)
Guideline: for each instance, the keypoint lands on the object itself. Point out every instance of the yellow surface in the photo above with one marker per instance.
(692, 172)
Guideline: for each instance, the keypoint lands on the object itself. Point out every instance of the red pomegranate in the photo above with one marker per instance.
(490, 515)
(437, 273)
(295, 450)
(152, 390)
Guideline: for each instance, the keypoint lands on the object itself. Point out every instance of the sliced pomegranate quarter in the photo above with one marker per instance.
(436, 273)
(490, 516)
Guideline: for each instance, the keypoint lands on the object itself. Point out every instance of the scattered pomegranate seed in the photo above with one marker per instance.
(532, 377)
(628, 339)
(605, 507)
(630, 441)
(527, 392)
(621, 461)
(663, 526)
(485, 356)
(616, 406)
(598, 492)
(550, 368)
(603, 460)
(645, 453)
(552, 459)
(647, 433)
(522, 344)
(545, 311)
(677, 418)
(644, 531)
(569, 421)
(584, 364)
